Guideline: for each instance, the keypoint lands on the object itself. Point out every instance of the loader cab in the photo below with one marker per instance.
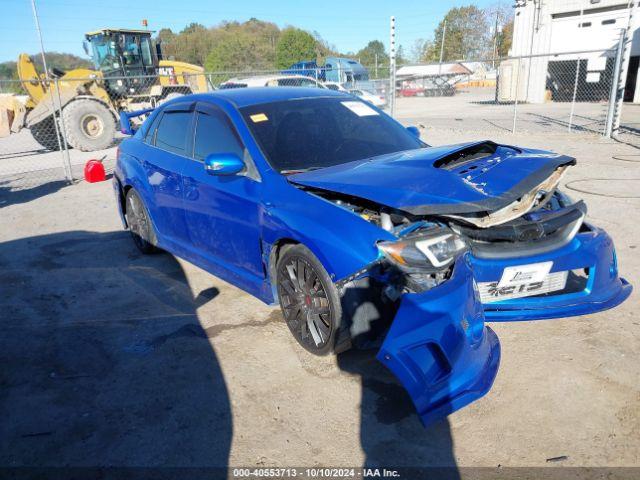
(123, 53)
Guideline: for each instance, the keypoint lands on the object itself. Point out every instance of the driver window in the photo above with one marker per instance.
(215, 134)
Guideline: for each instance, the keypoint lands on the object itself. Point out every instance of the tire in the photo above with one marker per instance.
(89, 125)
(310, 302)
(139, 223)
(44, 133)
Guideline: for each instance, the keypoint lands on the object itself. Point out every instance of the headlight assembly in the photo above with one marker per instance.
(434, 249)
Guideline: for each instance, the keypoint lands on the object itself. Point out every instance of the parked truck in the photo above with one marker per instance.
(335, 69)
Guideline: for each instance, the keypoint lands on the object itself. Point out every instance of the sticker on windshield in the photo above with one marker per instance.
(259, 117)
(360, 109)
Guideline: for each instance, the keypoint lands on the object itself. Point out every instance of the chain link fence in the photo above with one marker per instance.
(568, 92)
(50, 127)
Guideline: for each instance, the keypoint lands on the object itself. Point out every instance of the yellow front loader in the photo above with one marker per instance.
(129, 73)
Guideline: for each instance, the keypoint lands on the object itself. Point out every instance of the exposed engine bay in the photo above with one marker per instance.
(542, 219)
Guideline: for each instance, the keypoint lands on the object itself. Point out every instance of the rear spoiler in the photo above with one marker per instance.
(125, 120)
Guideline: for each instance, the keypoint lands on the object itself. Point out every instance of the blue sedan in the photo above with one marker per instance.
(363, 234)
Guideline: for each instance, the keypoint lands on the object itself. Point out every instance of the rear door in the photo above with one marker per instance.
(222, 212)
(169, 141)
(439, 348)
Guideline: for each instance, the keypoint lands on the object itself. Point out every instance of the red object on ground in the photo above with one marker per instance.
(94, 171)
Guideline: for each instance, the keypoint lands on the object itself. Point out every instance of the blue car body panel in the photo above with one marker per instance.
(409, 181)
(438, 345)
(592, 250)
(439, 348)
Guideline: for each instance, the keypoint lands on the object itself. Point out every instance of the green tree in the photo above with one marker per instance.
(467, 35)
(294, 46)
(193, 44)
(242, 46)
(323, 49)
(505, 37)
(401, 59)
(61, 61)
(373, 53)
(418, 49)
(166, 38)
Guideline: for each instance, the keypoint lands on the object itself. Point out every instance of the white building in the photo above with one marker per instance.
(566, 26)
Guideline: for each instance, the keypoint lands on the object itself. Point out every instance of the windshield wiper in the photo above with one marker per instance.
(299, 170)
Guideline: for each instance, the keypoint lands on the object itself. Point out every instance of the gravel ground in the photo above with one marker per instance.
(110, 358)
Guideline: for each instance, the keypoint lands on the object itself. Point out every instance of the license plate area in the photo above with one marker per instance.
(523, 281)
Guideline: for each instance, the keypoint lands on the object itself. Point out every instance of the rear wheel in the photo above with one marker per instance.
(139, 223)
(89, 125)
(310, 302)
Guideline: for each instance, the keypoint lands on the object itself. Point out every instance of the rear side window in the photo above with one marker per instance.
(215, 134)
(172, 132)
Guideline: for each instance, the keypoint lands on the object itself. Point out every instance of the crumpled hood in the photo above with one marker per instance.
(452, 179)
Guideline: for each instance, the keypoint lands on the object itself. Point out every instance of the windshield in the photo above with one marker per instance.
(320, 132)
(105, 52)
(134, 50)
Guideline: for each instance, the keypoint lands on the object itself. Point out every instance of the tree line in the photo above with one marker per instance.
(469, 33)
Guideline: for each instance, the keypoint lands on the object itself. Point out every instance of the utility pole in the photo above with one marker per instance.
(444, 32)
(39, 32)
(62, 140)
(495, 42)
(392, 65)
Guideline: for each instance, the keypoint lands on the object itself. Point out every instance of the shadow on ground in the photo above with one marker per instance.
(104, 361)
(105, 364)
(391, 434)
(12, 196)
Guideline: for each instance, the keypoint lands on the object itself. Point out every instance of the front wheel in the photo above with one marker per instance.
(89, 125)
(310, 302)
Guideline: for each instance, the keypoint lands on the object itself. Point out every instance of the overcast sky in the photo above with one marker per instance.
(347, 24)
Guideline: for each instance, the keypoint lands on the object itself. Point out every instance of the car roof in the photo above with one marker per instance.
(260, 79)
(244, 97)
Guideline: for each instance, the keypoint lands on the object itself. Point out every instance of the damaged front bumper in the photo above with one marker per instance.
(439, 347)
(592, 284)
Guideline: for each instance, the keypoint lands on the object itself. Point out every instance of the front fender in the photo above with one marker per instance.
(342, 241)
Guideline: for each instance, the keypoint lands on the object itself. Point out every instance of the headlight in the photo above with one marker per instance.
(433, 249)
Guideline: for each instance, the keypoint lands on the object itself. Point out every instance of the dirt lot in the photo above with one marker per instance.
(110, 358)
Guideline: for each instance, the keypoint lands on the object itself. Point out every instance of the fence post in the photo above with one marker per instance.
(66, 159)
(515, 103)
(613, 95)
(376, 58)
(575, 90)
(392, 67)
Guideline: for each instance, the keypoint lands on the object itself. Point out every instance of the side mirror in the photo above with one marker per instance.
(85, 47)
(414, 131)
(223, 164)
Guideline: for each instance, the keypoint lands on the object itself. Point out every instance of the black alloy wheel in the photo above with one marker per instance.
(139, 223)
(310, 303)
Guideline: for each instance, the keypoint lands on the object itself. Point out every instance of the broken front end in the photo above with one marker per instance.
(481, 232)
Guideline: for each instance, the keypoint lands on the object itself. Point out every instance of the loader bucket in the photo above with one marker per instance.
(12, 113)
